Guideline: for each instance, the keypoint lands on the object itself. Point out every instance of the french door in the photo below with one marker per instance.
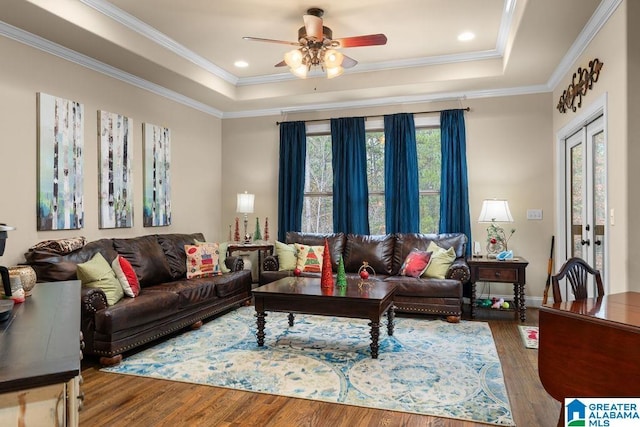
(585, 196)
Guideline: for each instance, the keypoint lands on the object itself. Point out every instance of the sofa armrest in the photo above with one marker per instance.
(270, 263)
(93, 300)
(459, 270)
(234, 263)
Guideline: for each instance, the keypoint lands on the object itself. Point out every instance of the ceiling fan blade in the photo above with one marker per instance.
(313, 26)
(348, 62)
(359, 41)
(281, 64)
(258, 39)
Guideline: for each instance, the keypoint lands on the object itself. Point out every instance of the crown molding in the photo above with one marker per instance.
(389, 101)
(605, 9)
(55, 49)
(158, 37)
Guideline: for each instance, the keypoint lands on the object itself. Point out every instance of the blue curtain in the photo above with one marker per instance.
(401, 192)
(349, 161)
(454, 186)
(293, 152)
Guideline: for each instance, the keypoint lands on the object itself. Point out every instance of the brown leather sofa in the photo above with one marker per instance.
(385, 254)
(167, 301)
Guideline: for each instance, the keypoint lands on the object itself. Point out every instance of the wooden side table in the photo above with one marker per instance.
(492, 270)
(260, 247)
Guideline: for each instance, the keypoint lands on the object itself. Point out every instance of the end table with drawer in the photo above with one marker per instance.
(508, 271)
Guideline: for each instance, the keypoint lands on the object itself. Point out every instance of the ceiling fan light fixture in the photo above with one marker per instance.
(334, 71)
(300, 71)
(333, 58)
(293, 58)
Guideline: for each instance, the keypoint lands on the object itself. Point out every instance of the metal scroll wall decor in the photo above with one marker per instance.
(577, 89)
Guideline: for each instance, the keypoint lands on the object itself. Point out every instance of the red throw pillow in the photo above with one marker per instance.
(416, 263)
(126, 276)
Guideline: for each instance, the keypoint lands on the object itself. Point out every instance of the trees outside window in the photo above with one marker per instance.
(317, 214)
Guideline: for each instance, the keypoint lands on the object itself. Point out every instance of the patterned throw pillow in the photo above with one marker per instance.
(287, 258)
(309, 258)
(222, 254)
(441, 260)
(202, 260)
(416, 263)
(126, 276)
(97, 273)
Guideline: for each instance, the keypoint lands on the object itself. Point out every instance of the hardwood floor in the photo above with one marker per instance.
(122, 400)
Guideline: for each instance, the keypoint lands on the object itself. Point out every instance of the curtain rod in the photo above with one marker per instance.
(381, 115)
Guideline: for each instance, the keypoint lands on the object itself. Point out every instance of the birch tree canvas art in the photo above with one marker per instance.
(60, 163)
(157, 179)
(116, 160)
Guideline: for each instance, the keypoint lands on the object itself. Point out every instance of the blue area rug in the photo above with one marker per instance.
(427, 367)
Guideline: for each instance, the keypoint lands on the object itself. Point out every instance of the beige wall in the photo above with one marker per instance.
(609, 46)
(509, 147)
(195, 149)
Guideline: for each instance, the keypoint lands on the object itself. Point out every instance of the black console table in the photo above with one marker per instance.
(40, 357)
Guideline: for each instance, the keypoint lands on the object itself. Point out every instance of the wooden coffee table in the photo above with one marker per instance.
(360, 300)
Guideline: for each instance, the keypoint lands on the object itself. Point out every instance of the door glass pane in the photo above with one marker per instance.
(599, 197)
(577, 185)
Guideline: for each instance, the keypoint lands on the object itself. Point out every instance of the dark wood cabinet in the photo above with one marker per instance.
(40, 352)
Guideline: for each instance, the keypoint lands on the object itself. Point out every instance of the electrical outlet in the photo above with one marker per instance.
(534, 214)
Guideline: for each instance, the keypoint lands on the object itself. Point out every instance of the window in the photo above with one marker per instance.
(317, 210)
(429, 166)
(317, 214)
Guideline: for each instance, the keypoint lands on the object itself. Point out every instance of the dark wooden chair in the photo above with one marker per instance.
(576, 271)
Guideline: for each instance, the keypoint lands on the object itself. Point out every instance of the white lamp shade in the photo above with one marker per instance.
(334, 72)
(293, 58)
(495, 211)
(300, 71)
(333, 58)
(245, 202)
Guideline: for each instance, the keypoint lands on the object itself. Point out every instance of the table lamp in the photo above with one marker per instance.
(245, 206)
(494, 211)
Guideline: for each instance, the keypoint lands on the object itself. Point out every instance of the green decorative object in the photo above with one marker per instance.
(342, 276)
(257, 235)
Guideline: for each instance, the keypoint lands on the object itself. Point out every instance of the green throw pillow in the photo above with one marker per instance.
(441, 260)
(286, 256)
(97, 273)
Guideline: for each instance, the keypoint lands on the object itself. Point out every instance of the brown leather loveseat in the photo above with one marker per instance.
(167, 301)
(386, 254)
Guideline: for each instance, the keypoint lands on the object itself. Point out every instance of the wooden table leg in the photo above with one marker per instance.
(375, 335)
(391, 314)
(472, 300)
(518, 290)
(260, 321)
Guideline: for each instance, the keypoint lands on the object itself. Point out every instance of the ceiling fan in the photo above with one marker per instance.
(316, 47)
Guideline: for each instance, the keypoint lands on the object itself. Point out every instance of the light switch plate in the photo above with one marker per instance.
(534, 214)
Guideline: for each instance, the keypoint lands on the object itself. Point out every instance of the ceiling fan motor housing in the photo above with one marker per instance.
(326, 33)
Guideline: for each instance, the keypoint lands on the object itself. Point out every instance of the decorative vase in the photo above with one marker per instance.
(326, 280)
(342, 276)
(27, 275)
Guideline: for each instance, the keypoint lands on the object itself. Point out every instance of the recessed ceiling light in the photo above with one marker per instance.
(466, 36)
(241, 64)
